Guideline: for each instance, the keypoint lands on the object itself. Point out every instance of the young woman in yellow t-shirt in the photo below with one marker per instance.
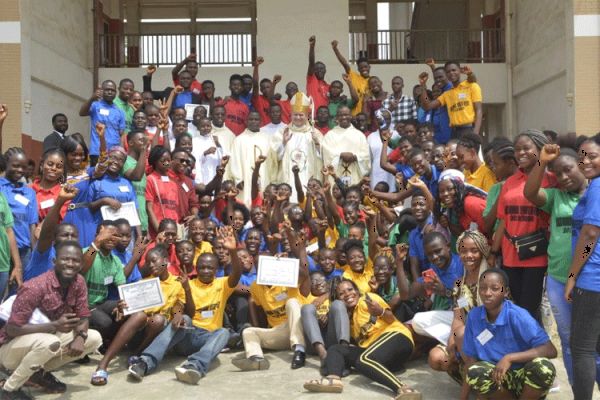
(383, 344)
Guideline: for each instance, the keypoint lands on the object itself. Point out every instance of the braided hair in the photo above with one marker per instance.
(504, 148)
(8, 154)
(462, 191)
(537, 137)
(51, 152)
(478, 238)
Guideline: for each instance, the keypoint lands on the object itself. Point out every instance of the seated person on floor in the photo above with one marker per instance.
(506, 351)
(202, 337)
(31, 350)
(325, 320)
(282, 306)
(382, 345)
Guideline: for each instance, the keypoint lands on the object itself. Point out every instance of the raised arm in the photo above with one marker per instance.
(430, 62)
(299, 249)
(90, 255)
(227, 238)
(177, 69)
(383, 158)
(425, 102)
(255, 176)
(331, 203)
(404, 288)
(340, 57)
(3, 115)
(533, 187)
(311, 55)
(137, 173)
(215, 184)
(298, 184)
(351, 88)
(84, 111)
(256, 77)
(373, 233)
(51, 221)
(138, 251)
(417, 183)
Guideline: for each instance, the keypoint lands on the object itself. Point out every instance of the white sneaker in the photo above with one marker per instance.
(188, 374)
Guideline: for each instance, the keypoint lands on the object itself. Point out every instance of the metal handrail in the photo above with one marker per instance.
(416, 45)
(236, 48)
(131, 50)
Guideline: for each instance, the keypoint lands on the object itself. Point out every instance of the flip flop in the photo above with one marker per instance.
(406, 393)
(324, 385)
(99, 377)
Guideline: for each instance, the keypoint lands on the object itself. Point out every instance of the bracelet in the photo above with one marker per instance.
(382, 312)
(93, 245)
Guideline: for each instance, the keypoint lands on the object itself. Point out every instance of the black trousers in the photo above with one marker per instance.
(102, 319)
(239, 316)
(526, 288)
(585, 341)
(388, 353)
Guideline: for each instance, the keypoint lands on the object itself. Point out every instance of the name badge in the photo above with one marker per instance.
(462, 302)
(462, 96)
(47, 204)
(207, 314)
(484, 337)
(108, 280)
(104, 111)
(164, 178)
(473, 226)
(346, 180)
(185, 187)
(281, 296)
(22, 199)
(124, 189)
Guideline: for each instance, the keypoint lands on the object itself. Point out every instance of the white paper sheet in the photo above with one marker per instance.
(275, 271)
(127, 211)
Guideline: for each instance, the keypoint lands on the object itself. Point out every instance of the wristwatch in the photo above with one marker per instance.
(82, 334)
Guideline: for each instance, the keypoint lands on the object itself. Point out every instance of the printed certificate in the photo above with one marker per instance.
(276, 271)
(141, 295)
(127, 211)
(189, 110)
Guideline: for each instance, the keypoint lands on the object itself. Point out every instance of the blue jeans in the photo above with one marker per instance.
(25, 255)
(201, 346)
(561, 309)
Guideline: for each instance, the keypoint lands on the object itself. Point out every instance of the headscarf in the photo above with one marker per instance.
(117, 149)
(537, 137)
(483, 246)
(462, 190)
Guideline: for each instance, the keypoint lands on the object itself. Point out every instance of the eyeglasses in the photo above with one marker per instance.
(183, 160)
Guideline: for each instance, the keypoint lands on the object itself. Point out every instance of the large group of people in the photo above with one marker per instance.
(414, 236)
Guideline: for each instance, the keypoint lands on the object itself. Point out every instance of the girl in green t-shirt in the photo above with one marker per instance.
(559, 203)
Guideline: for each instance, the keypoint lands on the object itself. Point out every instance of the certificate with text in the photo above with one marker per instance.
(278, 271)
(127, 211)
(141, 295)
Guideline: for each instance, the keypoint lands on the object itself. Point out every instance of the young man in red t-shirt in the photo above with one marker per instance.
(316, 87)
(236, 111)
(262, 100)
(286, 109)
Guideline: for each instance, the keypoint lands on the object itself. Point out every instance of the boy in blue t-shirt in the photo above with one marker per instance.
(327, 260)
(506, 351)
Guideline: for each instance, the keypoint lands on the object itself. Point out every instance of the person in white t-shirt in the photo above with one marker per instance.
(208, 152)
